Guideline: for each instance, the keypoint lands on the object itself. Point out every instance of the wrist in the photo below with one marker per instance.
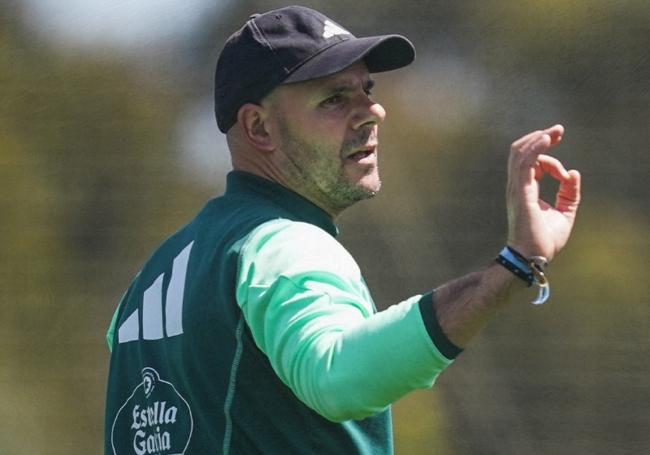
(523, 248)
(516, 263)
(529, 269)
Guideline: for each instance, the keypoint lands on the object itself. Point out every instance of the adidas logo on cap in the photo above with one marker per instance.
(331, 29)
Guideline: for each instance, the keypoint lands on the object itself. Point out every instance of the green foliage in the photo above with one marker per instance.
(83, 140)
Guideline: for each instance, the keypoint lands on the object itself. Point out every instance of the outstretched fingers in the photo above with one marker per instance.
(554, 134)
(524, 152)
(528, 161)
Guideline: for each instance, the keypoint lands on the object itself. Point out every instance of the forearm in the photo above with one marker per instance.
(361, 370)
(340, 362)
(465, 305)
(535, 228)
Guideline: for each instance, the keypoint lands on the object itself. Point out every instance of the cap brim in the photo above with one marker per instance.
(381, 53)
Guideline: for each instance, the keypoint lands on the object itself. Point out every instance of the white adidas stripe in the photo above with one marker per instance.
(152, 307)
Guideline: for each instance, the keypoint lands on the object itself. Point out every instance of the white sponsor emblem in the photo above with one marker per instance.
(154, 420)
(332, 29)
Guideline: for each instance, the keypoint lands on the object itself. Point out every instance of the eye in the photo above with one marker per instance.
(333, 100)
(368, 88)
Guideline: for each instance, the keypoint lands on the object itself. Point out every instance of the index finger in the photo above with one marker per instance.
(549, 165)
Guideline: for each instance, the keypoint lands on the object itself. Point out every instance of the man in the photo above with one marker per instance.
(251, 329)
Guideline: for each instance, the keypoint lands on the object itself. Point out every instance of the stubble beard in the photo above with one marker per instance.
(319, 174)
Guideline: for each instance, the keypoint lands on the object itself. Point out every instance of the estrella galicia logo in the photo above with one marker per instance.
(154, 420)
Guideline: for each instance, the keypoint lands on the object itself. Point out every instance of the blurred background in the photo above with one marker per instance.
(108, 144)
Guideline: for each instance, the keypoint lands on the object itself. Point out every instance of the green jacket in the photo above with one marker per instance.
(251, 330)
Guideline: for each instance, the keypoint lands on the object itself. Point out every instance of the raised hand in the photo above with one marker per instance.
(535, 227)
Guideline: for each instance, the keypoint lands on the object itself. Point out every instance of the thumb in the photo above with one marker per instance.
(568, 195)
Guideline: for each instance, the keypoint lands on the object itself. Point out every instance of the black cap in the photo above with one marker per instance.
(294, 44)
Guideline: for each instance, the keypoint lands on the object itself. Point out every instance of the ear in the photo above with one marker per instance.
(253, 122)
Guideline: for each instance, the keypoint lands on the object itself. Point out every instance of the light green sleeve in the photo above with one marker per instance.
(310, 312)
(110, 334)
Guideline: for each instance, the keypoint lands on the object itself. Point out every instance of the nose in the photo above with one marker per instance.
(371, 113)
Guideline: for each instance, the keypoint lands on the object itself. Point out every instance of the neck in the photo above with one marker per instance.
(272, 166)
(272, 173)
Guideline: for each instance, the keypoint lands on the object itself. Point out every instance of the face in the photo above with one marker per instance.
(326, 135)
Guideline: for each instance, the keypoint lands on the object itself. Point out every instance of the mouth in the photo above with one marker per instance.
(365, 154)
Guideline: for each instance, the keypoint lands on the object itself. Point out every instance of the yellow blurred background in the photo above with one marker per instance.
(108, 145)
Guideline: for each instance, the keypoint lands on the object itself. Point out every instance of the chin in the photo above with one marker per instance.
(370, 184)
(367, 190)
